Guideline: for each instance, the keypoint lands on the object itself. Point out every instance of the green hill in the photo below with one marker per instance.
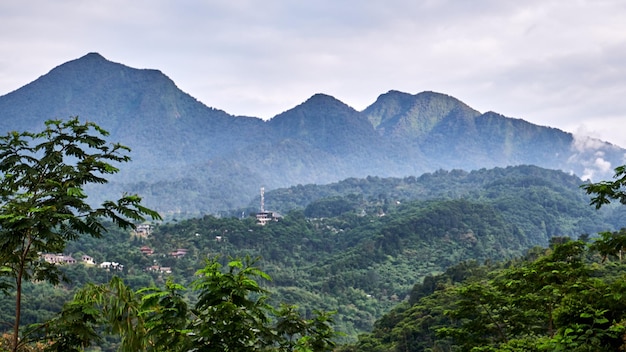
(358, 246)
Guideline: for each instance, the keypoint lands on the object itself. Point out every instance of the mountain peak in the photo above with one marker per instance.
(87, 61)
(92, 56)
(404, 115)
(316, 104)
(323, 98)
(394, 94)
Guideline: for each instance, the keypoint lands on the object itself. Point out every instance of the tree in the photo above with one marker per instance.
(610, 244)
(43, 204)
(231, 314)
(605, 191)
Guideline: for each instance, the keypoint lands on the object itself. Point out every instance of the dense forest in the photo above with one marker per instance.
(76, 276)
(567, 297)
(355, 254)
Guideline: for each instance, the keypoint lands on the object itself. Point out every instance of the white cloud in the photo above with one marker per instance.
(603, 165)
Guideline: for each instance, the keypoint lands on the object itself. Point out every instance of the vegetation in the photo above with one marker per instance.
(557, 299)
(568, 297)
(356, 253)
(44, 207)
(43, 203)
(230, 314)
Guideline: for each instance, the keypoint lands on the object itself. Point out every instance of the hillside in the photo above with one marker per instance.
(358, 254)
(521, 192)
(191, 159)
(567, 297)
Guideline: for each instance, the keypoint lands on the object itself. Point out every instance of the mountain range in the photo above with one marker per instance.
(190, 158)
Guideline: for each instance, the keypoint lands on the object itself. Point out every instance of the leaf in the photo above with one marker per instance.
(235, 264)
(76, 192)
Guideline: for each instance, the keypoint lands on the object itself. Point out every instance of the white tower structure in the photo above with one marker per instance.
(263, 217)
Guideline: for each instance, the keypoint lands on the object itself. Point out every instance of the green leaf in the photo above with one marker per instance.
(76, 192)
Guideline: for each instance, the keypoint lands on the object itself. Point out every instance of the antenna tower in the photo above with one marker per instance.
(262, 199)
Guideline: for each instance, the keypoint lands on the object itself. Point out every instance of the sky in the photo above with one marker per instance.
(557, 63)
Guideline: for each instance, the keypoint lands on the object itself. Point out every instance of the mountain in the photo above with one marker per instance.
(140, 108)
(401, 115)
(191, 158)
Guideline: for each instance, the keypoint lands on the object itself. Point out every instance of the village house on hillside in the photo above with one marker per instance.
(58, 258)
(159, 269)
(146, 250)
(112, 266)
(143, 230)
(264, 217)
(179, 253)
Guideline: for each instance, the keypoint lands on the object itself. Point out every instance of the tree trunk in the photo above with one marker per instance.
(18, 308)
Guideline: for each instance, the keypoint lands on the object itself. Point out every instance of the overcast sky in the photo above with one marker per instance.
(554, 63)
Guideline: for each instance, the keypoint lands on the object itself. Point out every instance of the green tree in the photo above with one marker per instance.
(610, 244)
(605, 191)
(43, 204)
(230, 314)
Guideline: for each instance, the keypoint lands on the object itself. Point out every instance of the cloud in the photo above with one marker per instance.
(602, 165)
(597, 168)
(583, 143)
(591, 152)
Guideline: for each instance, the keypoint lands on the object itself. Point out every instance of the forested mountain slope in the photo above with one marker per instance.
(543, 203)
(568, 297)
(192, 159)
(361, 249)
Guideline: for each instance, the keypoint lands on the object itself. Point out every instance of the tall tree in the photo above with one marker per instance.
(43, 204)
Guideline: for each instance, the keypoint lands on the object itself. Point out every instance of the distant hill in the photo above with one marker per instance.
(543, 203)
(190, 158)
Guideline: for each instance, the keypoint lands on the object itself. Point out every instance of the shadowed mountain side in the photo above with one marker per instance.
(142, 109)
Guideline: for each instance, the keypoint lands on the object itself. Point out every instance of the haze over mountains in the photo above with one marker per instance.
(191, 158)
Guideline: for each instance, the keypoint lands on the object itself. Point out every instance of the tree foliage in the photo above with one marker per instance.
(561, 300)
(568, 297)
(43, 204)
(230, 313)
(605, 191)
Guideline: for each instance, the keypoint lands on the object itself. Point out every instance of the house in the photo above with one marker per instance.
(111, 266)
(264, 217)
(58, 258)
(49, 257)
(160, 269)
(179, 253)
(146, 250)
(87, 259)
(143, 230)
